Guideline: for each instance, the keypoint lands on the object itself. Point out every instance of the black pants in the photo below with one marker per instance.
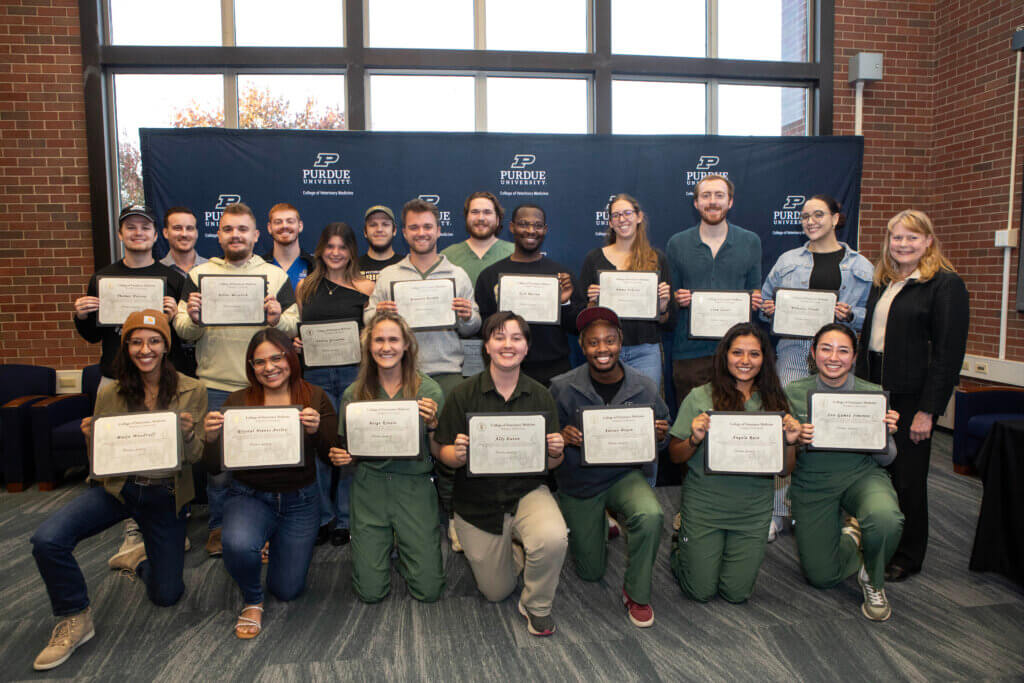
(910, 479)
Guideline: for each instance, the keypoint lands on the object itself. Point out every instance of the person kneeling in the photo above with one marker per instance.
(507, 523)
(828, 482)
(725, 517)
(146, 381)
(394, 501)
(276, 504)
(584, 493)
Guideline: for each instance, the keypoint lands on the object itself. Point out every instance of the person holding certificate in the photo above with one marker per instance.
(915, 330)
(585, 492)
(334, 291)
(275, 504)
(823, 263)
(393, 501)
(146, 381)
(825, 483)
(725, 516)
(507, 523)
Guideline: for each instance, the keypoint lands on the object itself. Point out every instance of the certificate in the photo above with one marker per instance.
(425, 304)
(802, 312)
(620, 435)
(502, 444)
(713, 312)
(745, 443)
(233, 299)
(261, 436)
(330, 343)
(121, 295)
(633, 295)
(136, 443)
(537, 298)
(849, 421)
(383, 429)
(472, 357)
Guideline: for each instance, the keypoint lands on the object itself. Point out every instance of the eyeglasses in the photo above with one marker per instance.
(818, 215)
(619, 215)
(137, 344)
(525, 225)
(260, 363)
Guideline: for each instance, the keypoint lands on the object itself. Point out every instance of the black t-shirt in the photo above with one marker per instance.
(111, 336)
(607, 391)
(825, 273)
(370, 267)
(634, 332)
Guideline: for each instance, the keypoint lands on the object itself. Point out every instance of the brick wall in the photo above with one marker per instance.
(937, 133)
(45, 237)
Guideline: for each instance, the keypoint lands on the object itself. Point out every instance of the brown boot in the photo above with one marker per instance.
(69, 633)
(214, 547)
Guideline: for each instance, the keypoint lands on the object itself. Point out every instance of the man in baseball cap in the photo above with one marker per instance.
(379, 228)
(585, 492)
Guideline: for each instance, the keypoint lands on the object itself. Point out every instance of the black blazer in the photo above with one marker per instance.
(925, 339)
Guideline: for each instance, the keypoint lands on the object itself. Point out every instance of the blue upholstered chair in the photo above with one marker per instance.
(976, 410)
(21, 386)
(57, 430)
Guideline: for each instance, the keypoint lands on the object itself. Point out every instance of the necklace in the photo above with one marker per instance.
(331, 290)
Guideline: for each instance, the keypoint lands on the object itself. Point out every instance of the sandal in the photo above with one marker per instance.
(246, 622)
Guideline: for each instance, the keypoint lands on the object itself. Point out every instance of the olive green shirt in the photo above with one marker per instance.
(421, 465)
(729, 501)
(461, 255)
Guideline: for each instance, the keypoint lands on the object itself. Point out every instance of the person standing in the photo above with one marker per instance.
(484, 215)
(181, 234)
(379, 230)
(915, 331)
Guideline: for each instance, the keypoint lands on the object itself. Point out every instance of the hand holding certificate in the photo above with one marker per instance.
(618, 435)
(122, 295)
(256, 437)
(802, 312)
(534, 297)
(136, 443)
(713, 312)
(506, 444)
(233, 299)
(330, 343)
(425, 304)
(848, 421)
(745, 443)
(633, 295)
(383, 429)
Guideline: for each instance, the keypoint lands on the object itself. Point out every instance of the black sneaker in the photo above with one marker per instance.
(537, 626)
(340, 536)
(323, 534)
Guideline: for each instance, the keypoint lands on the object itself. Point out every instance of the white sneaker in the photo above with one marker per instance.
(453, 537)
(122, 559)
(774, 529)
(876, 605)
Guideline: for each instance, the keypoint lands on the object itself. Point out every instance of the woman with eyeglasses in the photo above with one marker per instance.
(276, 504)
(629, 248)
(145, 381)
(915, 331)
(334, 291)
(822, 263)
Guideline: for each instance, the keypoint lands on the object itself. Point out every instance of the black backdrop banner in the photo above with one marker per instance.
(332, 176)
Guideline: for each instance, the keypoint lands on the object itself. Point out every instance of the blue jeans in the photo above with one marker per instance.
(645, 359)
(288, 520)
(163, 532)
(217, 484)
(333, 380)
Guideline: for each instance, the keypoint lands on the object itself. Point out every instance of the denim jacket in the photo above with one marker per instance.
(573, 390)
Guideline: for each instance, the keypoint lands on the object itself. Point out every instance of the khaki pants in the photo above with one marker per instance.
(536, 530)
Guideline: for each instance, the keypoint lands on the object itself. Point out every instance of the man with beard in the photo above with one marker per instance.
(549, 352)
(712, 255)
(285, 226)
(483, 216)
(379, 230)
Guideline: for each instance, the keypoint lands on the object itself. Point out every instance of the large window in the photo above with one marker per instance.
(731, 67)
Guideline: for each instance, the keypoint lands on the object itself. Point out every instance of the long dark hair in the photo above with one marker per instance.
(301, 391)
(309, 286)
(812, 366)
(725, 395)
(131, 386)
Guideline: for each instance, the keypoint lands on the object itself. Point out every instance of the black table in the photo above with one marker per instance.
(999, 539)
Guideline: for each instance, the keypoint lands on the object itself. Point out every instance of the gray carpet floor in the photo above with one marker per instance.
(948, 623)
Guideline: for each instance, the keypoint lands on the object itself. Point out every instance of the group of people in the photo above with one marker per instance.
(900, 326)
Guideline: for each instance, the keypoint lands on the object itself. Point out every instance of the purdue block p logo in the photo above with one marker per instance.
(523, 160)
(226, 200)
(793, 202)
(325, 159)
(706, 162)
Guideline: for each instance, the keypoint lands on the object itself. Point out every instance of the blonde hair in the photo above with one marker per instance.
(931, 263)
(367, 384)
(641, 254)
